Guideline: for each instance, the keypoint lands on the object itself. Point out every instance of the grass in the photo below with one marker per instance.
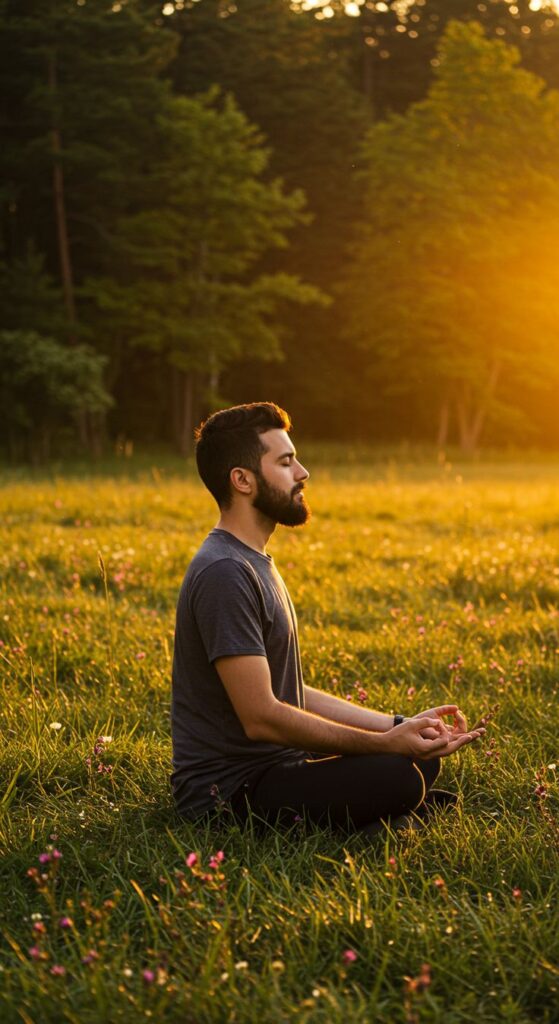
(416, 586)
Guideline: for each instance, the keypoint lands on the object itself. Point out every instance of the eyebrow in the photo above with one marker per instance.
(286, 455)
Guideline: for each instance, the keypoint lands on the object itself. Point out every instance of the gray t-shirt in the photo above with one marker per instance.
(232, 601)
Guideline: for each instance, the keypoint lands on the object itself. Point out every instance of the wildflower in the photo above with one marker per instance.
(349, 956)
(411, 691)
(241, 965)
(127, 972)
(90, 957)
(439, 882)
(35, 953)
(55, 726)
(58, 970)
(56, 855)
(39, 927)
(148, 976)
(217, 859)
(191, 860)
(277, 965)
(105, 739)
(517, 894)
(420, 983)
(65, 922)
(44, 858)
(140, 655)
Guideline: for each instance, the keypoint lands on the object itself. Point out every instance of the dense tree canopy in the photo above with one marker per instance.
(453, 280)
(184, 188)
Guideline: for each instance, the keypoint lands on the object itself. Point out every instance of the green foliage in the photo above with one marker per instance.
(208, 216)
(42, 383)
(452, 280)
(29, 297)
(410, 588)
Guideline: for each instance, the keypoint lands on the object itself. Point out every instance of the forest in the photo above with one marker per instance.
(351, 209)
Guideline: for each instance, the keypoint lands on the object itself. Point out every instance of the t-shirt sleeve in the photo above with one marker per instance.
(226, 607)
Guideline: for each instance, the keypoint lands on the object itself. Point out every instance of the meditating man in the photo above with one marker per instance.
(247, 731)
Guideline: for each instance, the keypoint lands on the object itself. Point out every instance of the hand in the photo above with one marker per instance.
(459, 727)
(426, 737)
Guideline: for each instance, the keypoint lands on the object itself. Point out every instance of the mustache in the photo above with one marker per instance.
(298, 489)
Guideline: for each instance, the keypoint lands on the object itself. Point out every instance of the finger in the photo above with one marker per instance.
(429, 734)
(432, 746)
(418, 724)
(462, 741)
(460, 720)
(446, 709)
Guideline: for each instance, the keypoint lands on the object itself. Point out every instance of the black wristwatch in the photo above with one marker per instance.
(398, 719)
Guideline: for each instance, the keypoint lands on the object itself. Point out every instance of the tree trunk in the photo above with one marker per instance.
(60, 205)
(442, 433)
(176, 404)
(471, 420)
(187, 416)
(481, 412)
(97, 423)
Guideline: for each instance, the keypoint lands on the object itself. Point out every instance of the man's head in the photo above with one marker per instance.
(245, 453)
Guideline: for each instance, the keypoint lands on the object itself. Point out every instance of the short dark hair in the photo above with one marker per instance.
(231, 437)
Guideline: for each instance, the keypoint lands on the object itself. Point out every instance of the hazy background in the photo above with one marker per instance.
(350, 209)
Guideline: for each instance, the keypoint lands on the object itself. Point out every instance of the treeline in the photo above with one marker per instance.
(350, 209)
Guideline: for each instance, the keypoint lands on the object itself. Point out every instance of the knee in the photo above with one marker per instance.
(412, 786)
(429, 770)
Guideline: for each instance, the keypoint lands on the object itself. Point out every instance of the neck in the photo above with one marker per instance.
(248, 526)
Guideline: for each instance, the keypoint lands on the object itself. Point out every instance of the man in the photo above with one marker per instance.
(247, 731)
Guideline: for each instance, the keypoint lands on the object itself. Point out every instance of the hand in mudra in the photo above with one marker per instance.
(427, 735)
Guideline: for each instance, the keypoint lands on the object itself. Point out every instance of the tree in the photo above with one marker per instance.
(452, 279)
(43, 384)
(293, 83)
(186, 289)
(391, 47)
(82, 86)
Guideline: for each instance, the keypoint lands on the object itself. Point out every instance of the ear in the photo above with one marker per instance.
(242, 480)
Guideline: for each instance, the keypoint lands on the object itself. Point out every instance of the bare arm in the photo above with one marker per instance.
(338, 710)
(247, 681)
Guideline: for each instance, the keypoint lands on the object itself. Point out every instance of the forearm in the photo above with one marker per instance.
(338, 710)
(292, 727)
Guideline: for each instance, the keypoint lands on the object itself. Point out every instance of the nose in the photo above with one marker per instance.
(301, 473)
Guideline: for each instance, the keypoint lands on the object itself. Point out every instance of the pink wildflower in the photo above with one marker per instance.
(44, 858)
(349, 956)
(148, 976)
(34, 953)
(58, 970)
(217, 858)
(191, 860)
(65, 922)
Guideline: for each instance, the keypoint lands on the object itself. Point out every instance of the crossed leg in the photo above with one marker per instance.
(341, 790)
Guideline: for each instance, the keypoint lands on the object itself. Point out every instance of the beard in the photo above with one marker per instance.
(285, 509)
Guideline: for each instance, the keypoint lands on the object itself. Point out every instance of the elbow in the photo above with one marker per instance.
(256, 731)
(261, 728)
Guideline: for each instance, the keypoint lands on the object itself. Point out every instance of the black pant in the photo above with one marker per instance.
(346, 791)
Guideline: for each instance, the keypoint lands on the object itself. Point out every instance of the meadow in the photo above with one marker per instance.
(413, 586)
